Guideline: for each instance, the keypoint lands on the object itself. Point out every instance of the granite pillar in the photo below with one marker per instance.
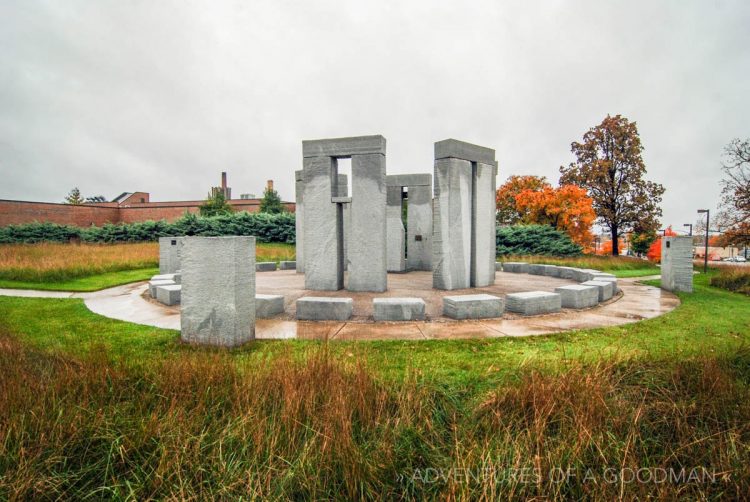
(677, 264)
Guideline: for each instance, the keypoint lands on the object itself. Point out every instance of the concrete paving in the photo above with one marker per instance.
(636, 302)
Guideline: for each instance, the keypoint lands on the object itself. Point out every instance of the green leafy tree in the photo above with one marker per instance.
(610, 167)
(215, 205)
(640, 243)
(74, 197)
(271, 202)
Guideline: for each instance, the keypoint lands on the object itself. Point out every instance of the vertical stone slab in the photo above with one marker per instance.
(395, 230)
(170, 249)
(419, 228)
(299, 219)
(677, 264)
(483, 225)
(323, 230)
(218, 290)
(451, 235)
(343, 191)
(367, 246)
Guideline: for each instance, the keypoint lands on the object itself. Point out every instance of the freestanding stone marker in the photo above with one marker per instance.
(410, 248)
(677, 263)
(324, 215)
(218, 290)
(169, 254)
(464, 215)
(299, 220)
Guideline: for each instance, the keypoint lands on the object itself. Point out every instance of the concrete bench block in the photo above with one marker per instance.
(169, 295)
(265, 266)
(165, 277)
(316, 308)
(567, 272)
(537, 269)
(516, 267)
(152, 285)
(602, 275)
(398, 309)
(288, 265)
(552, 271)
(498, 266)
(578, 296)
(606, 289)
(533, 302)
(582, 275)
(473, 306)
(268, 305)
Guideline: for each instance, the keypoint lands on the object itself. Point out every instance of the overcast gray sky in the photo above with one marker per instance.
(161, 96)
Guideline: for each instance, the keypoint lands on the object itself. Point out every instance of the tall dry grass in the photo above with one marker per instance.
(198, 427)
(736, 278)
(47, 262)
(596, 262)
(60, 262)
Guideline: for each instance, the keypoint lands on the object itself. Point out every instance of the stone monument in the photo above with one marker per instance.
(464, 216)
(410, 248)
(677, 263)
(169, 254)
(218, 290)
(325, 253)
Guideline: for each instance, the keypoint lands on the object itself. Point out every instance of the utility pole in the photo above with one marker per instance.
(708, 221)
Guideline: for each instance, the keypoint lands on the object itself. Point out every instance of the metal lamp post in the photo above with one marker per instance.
(691, 228)
(705, 256)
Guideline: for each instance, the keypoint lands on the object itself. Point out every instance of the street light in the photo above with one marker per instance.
(691, 228)
(705, 257)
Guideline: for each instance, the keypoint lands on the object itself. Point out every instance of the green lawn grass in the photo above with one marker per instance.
(710, 320)
(86, 284)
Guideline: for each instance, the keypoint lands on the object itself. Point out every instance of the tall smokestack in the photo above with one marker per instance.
(224, 181)
(269, 185)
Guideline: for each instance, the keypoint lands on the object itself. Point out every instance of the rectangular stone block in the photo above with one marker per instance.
(537, 269)
(168, 295)
(419, 227)
(152, 285)
(515, 267)
(552, 271)
(408, 180)
(473, 306)
(398, 309)
(299, 219)
(582, 275)
(344, 147)
(578, 296)
(288, 265)
(533, 302)
(677, 264)
(314, 308)
(498, 266)
(265, 266)
(396, 233)
(169, 254)
(367, 250)
(218, 290)
(606, 289)
(566, 272)
(267, 306)
(452, 148)
(484, 207)
(164, 277)
(602, 275)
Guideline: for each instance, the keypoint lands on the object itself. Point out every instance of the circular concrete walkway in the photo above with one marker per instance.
(635, 303)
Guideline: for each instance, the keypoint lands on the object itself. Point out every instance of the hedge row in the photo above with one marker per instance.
(265, 227)
(535, 240)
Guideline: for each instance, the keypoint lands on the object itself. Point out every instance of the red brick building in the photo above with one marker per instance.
(128, 207)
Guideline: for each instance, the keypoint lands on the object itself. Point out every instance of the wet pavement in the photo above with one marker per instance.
(635, 303)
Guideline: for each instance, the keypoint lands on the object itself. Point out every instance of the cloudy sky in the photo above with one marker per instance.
(161, 96)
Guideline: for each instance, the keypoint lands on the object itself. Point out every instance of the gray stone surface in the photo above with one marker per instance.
(313, 308)
(552, 271)
(152, 285)
(452, 148)
(606, 289)
(398, 309)
(464, 216)
(578, 296)
(582, 275)
(165, 277)
(267, 306)
(169, 254)
(288, 265)
(168, 295)
(299, 219)
(218, 290)
(419, 226)
(677, 264)
(538, 269)
(396, 233)
(533, 302)
(265, 266)
(344, 147)
(473, 306)
(498, 266)
(567, 272)
(408, 180)
(516, 267)
(602, 275)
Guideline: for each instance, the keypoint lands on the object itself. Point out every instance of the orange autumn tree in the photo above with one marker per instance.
(654, 252)
(505, 199)
(606, 247)
(566, 208)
